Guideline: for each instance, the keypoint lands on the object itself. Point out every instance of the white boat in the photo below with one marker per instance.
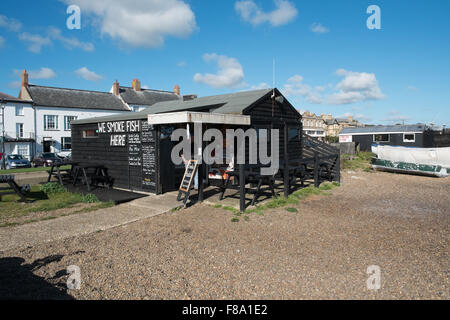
(425, 161)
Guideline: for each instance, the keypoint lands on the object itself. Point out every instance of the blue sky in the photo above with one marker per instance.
(327, 60)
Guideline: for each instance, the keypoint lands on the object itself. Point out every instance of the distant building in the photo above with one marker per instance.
(417, 135)
(314, 125)
(16, 126)
(39, 121)
(335, 125)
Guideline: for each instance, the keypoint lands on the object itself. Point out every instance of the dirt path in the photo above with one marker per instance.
(35, 233)
(400, 223)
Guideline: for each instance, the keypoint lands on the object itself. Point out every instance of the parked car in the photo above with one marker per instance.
(45, 159)
(16, 161)
(65, 156)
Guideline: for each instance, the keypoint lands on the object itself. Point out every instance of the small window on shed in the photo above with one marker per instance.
(409, 137)
(381, 138)
(294, 134)
(91, 133)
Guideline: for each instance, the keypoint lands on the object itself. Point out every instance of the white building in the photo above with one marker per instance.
(314, 125)
(16, 126)
(39, 121)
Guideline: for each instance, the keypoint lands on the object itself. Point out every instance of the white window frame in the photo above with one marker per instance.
(63, 143)
(20, 111)
(46, 118)
(67, 119)
(25, 152)
(19, 132)
(409, 141)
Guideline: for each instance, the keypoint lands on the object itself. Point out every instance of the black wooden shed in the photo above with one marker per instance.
(136, 148)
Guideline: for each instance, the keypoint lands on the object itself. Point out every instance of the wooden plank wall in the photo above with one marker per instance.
(312, 146)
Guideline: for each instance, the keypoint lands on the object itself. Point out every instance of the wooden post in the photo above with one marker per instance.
(200, 182)
(286, 162)
(338, 169)
(316, 170)
(242, 187)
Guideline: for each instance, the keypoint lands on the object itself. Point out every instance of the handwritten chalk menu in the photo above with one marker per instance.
(149, 156)
(134, 150)
(189, 174)
(148, 133)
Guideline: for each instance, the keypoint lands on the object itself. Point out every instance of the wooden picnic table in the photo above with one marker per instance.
(62, 173)
(9, 179)
(99, 174)
(252, 176)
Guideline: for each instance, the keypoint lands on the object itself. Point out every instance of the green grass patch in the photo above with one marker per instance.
(292, 210)
(25, 170)
(217, 206)
(361, 161)
(54, 198)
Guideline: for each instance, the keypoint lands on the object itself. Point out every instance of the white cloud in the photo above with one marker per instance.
(412, 88)
(140, 23)
(296, 87)
(260, 86)
(249, 11)
(229, 75)
(36, 41)
(395, 116)
(356, 87)
(10, 23)
(70, 43)
(319, 28)
(43, 73)
(181, 64)
(15, 84)
(86, 74)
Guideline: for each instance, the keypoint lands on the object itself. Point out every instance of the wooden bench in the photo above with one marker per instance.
(252, 177)
(9, 179)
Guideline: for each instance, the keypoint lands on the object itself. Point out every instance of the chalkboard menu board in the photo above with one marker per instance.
(134, 150)
(149, 157)
(148, 133)
(189, 174)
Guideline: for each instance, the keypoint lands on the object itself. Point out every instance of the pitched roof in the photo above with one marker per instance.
(226, 103)
(8, 98)
(385, 129)
(145, 97)
(4, 96)
(73, 98)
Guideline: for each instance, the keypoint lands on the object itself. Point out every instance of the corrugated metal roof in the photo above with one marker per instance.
(378, 129)
(226, 103)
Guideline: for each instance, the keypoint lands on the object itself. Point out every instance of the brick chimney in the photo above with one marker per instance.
(330, 117)
(323, 116)
(24, 85)
(176, 90)
(350, 118)
(24, 78)
(116, 88)
(136, 84)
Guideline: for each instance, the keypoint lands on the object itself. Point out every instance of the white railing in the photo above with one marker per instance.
(18, 135)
